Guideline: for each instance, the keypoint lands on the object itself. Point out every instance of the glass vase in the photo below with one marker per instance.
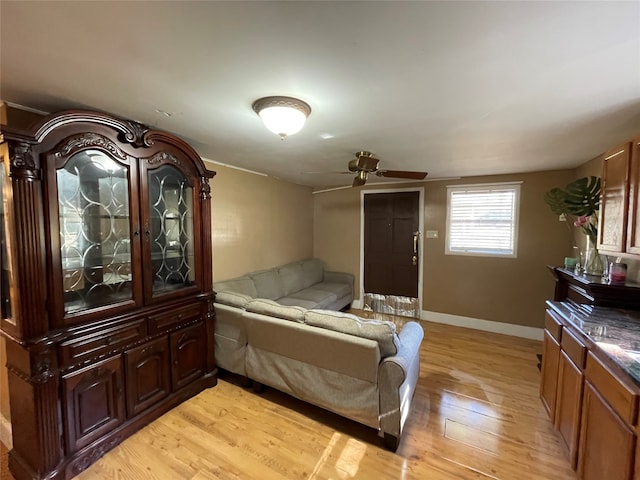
(593, 264)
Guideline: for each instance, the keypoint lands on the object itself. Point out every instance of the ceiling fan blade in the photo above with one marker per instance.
(327, 173)
(402, 174)
(366, 161)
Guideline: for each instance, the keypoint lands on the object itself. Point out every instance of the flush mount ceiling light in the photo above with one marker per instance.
(282, 115)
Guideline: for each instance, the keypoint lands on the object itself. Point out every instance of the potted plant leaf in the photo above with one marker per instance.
(579, 203)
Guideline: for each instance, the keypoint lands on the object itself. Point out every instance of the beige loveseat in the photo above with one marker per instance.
(361, 369)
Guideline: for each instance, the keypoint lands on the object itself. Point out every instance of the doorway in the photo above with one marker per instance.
(391, 260)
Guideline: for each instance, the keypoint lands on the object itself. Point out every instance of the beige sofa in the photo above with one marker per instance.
(361, 369)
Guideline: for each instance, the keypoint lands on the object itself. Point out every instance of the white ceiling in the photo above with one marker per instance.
(453, 88)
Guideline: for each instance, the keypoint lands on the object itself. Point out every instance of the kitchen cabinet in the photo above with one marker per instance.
(597, 395)
(107, 300)
(608, 440)
(619, 229)
(550, 363)
(633, 225)
(570, 389)
(614, 199)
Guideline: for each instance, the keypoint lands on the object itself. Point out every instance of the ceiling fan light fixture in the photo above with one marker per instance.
(283, 116)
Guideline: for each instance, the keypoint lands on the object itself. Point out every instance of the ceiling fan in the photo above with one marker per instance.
(365, 163)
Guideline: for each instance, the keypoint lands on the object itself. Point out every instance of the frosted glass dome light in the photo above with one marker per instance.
(282, 115)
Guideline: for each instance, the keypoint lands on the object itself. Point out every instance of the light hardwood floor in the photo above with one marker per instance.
(476, 415)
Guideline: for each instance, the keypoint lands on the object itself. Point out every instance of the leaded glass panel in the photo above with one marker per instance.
(5, 297)
(95, 235)
(171, 229)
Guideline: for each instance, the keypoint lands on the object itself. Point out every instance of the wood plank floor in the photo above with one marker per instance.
(476, 415)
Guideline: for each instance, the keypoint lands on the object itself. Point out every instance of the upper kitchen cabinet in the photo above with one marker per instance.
(633, 226)
(619, 230)
(614, 199)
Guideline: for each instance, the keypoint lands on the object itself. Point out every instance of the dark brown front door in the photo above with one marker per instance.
(390, 222)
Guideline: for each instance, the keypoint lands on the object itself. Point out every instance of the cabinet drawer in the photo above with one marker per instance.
(574, 349)
(89, 346)
(622, 397)
(173, 318)
(553, 326)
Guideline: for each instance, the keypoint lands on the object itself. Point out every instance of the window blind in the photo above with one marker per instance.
(482, 220)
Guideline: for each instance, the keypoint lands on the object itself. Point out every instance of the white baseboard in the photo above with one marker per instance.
(5, 432)
(522, 331)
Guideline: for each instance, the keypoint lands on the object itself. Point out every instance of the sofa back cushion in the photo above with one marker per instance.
(312, 272)
(232, 299)
(243, 285)
(274, 309)
(291, 277)
(381, 331)
(268, 284)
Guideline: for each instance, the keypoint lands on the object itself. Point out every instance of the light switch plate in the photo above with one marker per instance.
(432, 233)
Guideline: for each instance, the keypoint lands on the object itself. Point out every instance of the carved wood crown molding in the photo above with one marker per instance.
(205, 189)
(21, 156)
(137, 134)
(84, 140)
(163, 157)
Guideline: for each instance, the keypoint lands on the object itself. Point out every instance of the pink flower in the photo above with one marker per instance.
(581, 221)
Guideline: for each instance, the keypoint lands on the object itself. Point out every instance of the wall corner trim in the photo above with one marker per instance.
(522, 331)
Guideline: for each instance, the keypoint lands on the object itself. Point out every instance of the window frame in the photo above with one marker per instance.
(511, 186)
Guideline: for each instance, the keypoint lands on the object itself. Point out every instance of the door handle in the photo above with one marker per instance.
(416, 236)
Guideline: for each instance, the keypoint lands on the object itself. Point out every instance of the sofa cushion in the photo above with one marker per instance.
(297, 302)
(338, 289)
(381, 331)
(291, 277)
(243, 285)
(233, 299)
(321, 298)
(274, 309)
(312, 272)
(268, 284)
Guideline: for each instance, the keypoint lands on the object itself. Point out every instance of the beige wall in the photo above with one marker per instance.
(258, 222)
(488, 288)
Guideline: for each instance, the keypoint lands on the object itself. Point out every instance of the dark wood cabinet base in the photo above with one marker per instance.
(82, 459)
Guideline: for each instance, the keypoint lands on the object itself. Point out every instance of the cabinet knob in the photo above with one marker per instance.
(175, 362)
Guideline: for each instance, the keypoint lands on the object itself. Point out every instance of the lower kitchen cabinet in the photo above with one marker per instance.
(550, 364)
(607, 444)
(569, 406)
(592, 402)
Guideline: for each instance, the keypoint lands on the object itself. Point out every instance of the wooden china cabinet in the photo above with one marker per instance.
(106, 285)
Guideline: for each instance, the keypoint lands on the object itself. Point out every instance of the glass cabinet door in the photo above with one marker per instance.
(5, 270)
(95, 231)
(171, 230)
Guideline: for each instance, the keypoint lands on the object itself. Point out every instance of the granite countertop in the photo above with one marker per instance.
(615, 332)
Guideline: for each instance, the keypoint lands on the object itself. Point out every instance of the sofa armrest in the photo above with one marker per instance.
(339, 277)
(397, 379)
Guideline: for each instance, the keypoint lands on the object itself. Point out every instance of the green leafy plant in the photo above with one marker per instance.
(581, 199)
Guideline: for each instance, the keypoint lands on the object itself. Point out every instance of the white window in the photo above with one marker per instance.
(482, 219)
